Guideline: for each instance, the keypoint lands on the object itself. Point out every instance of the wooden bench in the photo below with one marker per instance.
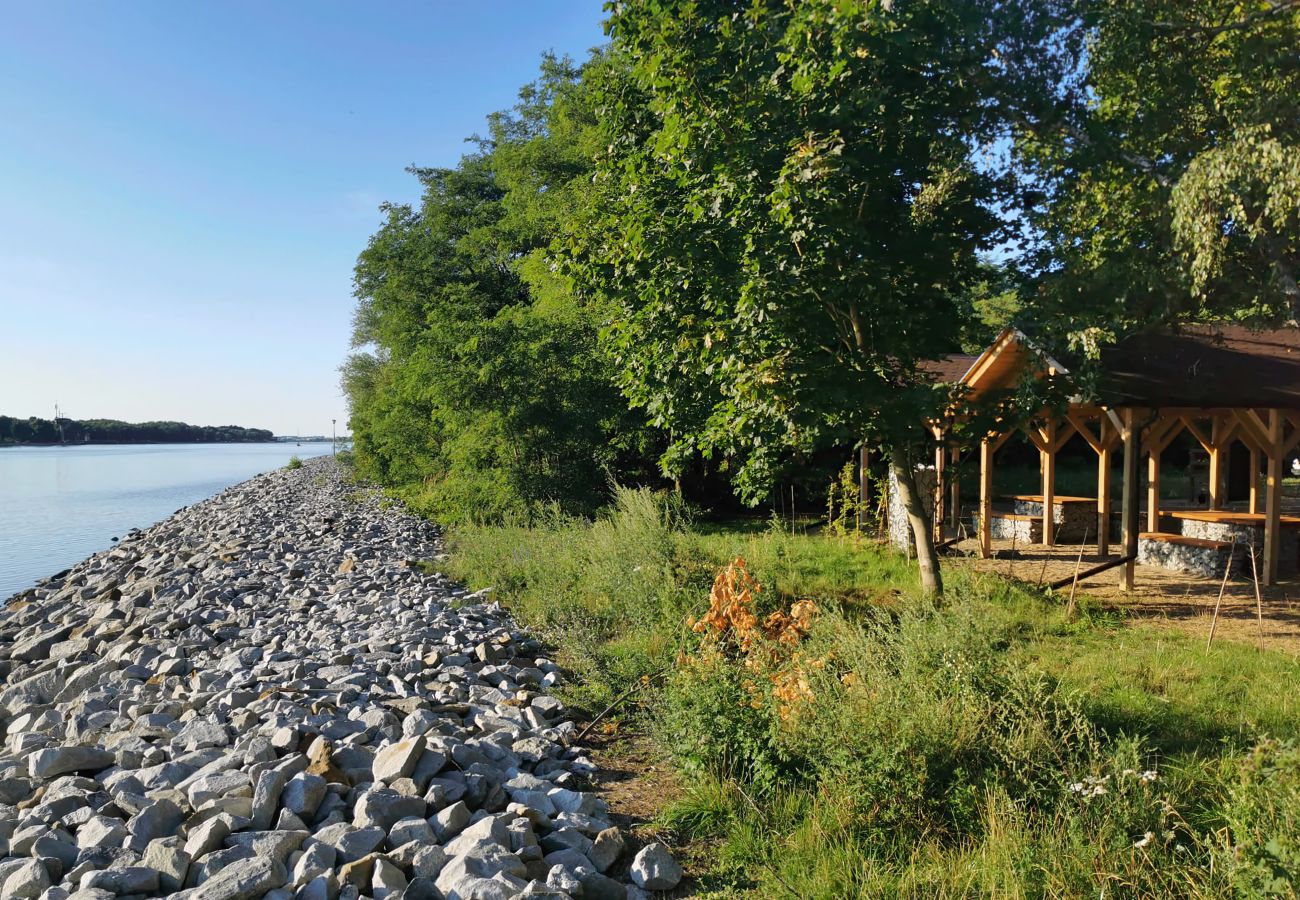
(1075, 518)
(1242, 528)
(1197, 556)
(1167, 538)
(1018, 527)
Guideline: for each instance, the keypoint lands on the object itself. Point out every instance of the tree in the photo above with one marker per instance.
(1169, 167)
(476, 379)
(790, 212)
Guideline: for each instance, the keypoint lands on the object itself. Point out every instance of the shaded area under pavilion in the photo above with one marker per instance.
(1225, 386)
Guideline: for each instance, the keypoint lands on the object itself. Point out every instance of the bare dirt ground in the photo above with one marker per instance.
(639, 782)
(1181, 601)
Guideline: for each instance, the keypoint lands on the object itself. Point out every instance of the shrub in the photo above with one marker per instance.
(294, 462)
(1263, 819)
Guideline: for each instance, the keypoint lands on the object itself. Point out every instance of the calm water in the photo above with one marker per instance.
(58, 505)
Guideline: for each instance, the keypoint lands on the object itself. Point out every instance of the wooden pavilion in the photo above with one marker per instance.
(1221, 384)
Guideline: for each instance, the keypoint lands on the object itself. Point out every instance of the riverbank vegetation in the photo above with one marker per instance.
(842, 736)
(701, 268)
(725, 284)
(110, 431)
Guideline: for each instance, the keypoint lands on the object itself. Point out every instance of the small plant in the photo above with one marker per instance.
(294, 462)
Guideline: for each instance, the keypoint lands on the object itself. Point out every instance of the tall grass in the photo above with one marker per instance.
(988, 747)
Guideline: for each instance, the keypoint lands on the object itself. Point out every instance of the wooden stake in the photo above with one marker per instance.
(1214, 622)
(1259, 601)
(1069, 606)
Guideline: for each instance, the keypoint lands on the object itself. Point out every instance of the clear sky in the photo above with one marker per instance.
(184, 187)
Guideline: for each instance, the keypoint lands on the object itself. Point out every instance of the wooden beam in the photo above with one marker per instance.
(954, 491)
(1273, 499)
(1165, 429)
(1218, 450)
(1103, 488)
(1063, 430)
(986, 498)
(1254, 481)
(940, 494)
(1082, 428)
(1153, 491)
(1252, 435)
(1090, 572)
(1201, 438)
(1130, 507)
(1290, 441)
(1048, 458)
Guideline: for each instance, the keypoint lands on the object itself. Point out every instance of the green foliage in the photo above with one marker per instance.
(986, 748)
(477, 387)
(844, 507)
(1263, 818)
(790, 214)
(294, 462)
(1167, 165)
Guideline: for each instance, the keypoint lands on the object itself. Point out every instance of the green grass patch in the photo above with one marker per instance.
(989, 746)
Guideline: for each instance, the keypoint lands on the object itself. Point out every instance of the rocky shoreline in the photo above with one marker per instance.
(264, 697)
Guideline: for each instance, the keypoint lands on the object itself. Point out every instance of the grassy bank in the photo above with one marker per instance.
(840, 737)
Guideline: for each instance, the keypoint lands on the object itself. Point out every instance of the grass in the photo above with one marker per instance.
(294, 462)
(888, 747)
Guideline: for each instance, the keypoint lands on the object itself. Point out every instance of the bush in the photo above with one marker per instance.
(841, 736)
(1263, 818)
(294, 462)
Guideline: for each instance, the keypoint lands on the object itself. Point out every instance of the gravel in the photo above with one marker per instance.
(264, 696)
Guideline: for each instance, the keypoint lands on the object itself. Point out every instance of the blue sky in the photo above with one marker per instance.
(184, 187)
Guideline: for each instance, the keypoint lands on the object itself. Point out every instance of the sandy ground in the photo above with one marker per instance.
(1180, 600)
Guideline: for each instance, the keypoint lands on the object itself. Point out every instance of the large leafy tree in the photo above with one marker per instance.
(476, 380)
(791, 213)
(1170, 165)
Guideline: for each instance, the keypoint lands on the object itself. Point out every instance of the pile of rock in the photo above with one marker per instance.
(262, 696)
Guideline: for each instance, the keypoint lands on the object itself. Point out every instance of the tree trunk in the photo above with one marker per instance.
(919, 518)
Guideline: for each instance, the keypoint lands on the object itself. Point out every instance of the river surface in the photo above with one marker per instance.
(58, 505)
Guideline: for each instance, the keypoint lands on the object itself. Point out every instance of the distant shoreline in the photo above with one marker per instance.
(7, 444)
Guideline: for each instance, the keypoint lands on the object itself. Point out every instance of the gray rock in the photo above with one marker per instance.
(27, 880)
(351, 842)
(243, 879)
(54, 761)
(167, 856)
(303, 794)
(449, 822)
(607, 849)
(596, 886)
(654, 868)
(127, 880)
(398, 760)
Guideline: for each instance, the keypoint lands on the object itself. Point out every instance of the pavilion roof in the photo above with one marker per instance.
(1200, 366)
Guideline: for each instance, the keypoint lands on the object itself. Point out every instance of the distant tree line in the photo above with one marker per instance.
(110, 431)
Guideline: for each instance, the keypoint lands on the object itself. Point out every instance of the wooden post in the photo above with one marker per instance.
(954, 492)
(940, 492)
(864, 485)
(1153, 490)
(1273, 498)
(1217, 453)
(986, 498)
(1103, 488)
(1048, 458)
(1254, 481)
(1130, 511)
